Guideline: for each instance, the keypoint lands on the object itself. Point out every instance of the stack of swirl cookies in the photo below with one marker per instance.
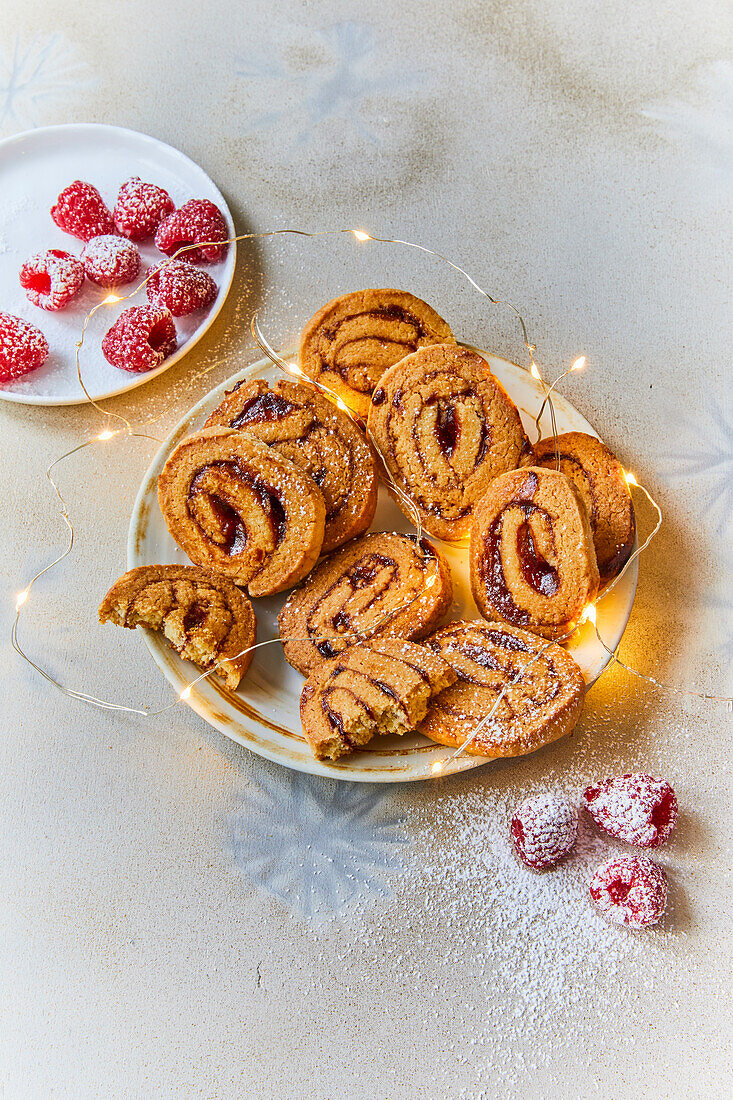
(278, 490)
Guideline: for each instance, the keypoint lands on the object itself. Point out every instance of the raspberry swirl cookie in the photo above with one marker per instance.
(384, 584)
(300, 424)
(445, 428)
(237, 506)
(381, 687)
(543, 705)
(204, 616)
(532, 558)
(599, 477)
(351, 341)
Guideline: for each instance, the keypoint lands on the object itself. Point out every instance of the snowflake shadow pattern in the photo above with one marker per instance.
(334, 89)
(34, 76)
(317, 845)
(708, 455)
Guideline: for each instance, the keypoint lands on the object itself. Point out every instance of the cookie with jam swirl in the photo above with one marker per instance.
(380, 584)
(351, 341)
(599, 477)
(542, 705)
(445, 427)
(235, 505)
(204, 616)
(383, 686)
(297, 422)
(533, 563)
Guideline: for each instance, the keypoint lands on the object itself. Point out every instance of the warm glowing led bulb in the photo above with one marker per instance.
(21, 598)
(185, 694)
(106, 434)
(589, 614)
(630, 479)
(111, 299)
(437, 767)
(342, 405)
(533, 370)
(360, 235)
(295, 369)
(579, 363)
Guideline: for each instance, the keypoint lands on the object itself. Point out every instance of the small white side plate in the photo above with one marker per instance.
(34, 167)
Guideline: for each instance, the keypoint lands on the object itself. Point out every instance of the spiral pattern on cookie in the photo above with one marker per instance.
(599, 477)
(542, 705)
(352, 340)
(380, 687)
(311, 432)
(445, 428)
(380, 584)
(532, 558)
(235, 505)
(204, 616)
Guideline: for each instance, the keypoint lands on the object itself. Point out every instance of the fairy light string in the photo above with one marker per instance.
(293, 369)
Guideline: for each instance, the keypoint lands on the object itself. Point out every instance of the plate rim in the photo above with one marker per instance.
(166, 659)
(216, 307)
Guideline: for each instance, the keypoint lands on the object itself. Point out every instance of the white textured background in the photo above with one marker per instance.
(182, 919)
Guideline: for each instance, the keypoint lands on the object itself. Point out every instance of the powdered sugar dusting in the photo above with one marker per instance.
(530, 958)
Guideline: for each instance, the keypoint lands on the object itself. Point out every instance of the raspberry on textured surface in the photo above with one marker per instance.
(635, 808)
(630, 890)
(197, 222)
(140, 208)
(181, 288)
(110, 260)
(23, 347)
(52, 278)
(140, 339)
(80, 210)
(544, 828)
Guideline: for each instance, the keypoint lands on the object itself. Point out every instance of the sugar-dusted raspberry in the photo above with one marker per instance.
(140, 208)
(630, 890)
(140, 339)
(634, 808)
(52, 278)
(544, 829)
(198, 221)
(23, 347)
(80, 210)
(181, 288)
(110, 260)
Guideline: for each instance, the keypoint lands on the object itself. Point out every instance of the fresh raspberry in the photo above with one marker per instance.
(110, 260)
(140, 208)
(634, 808)
(181, 288)
(52, 278)
(544, 829)
(23, 347)
(80, 210)
(197, 222)
(630, 890)
(140, 339)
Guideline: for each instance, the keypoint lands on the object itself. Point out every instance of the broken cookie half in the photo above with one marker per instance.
(204, 616)
(379, 687)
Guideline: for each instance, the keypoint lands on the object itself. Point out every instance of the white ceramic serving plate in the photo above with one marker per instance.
(34, 167)
(263, 714)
